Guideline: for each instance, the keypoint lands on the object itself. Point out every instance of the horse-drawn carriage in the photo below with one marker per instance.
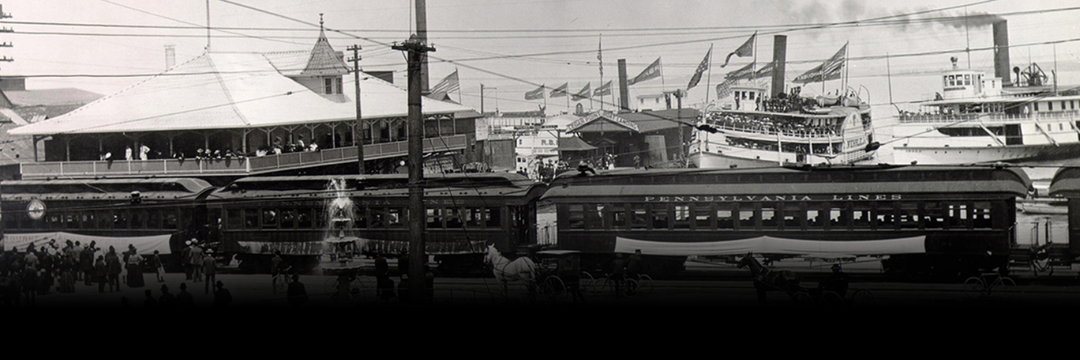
(556, 277)
(830, 292)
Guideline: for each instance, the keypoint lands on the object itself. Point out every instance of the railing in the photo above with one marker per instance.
(991, 117)
(770, 131)
(232, 166)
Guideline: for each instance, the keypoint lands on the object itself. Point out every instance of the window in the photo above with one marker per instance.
(234, 219)
(339, 85)
(575, 216)
(637, 220)
(618, 216)
(288, 219)
(967, 79)
(303, 218)
(251, 218)
(660, 217)
(682, 216)
(269, 218)
(329, 86)
(434, 218)
(723, 217)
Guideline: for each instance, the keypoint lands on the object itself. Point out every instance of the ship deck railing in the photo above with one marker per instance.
(763, 130)
(913, 118)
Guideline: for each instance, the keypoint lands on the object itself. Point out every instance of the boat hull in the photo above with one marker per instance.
(986, 154)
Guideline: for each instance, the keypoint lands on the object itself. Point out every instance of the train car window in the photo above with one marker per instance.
(838, 218)
(378, 218)
(746, 217)
(934, 215)
(474, 218)
(682, 216)
(576, 216)
(153, 220)
(251, 218)
(11, 220)
(860, 216)
(958, 216)
(234, 219)
(120, 220)
(702, 217)
(453, 218)
(618, 217)
(594, 217)
(138, 219)
(170, 220)
(639, 218)
(288, 219)
(794, 216)
(269, 218)
(769, 217)
(434, 218)
(661, 217)
(492, 217)
(395, 217)
(909, 216)
(884, 216)
(724, 219)
(980, 215)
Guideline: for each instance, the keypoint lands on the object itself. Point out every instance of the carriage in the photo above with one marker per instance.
(558, 274)
(828, 292)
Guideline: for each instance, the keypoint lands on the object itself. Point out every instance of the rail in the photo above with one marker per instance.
(764, 130)
(911, 118)
(232, 166)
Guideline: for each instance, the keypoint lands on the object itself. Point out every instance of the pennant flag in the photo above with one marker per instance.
(651, 72)
(603, 89)
(764, 71)
(828, 70)
(600, 56)
(537, 94)
(746, 72)
(585, 93)
(559, 91)
(700, 70)
(746, 49)
(447, 85)
(724, 89)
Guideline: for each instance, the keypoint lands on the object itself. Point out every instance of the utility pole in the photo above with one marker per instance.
(417, 51)
(359, 140)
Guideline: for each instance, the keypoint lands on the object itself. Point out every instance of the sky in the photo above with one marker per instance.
(512, 47)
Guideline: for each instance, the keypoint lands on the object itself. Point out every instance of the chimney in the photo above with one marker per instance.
(1001, 52)
(779, 54)
(170, 56)
(624, 92)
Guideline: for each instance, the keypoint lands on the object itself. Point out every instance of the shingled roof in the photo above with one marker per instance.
(324, 61)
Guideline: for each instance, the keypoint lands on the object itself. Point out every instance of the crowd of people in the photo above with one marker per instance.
(225, 153)
(41, 270)
(770, 126)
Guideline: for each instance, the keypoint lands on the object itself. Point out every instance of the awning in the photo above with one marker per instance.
(574, 144)
(775, 245)
(145, 245)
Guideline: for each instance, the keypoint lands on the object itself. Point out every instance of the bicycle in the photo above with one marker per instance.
(281, 280)
(644, 283)
(983, 286)
(620, 287)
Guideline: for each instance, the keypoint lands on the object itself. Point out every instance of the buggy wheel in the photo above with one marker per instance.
(974, 286)
(801, 298)
(830, 298)
(553, 288)
(862, 297)
(645, 284)
(588, 283)
(631, 287)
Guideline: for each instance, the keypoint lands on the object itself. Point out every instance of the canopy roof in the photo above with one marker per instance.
(231, 91)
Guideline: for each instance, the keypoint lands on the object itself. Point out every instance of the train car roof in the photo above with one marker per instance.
(1066, 182)
(796, 180)
(464, 184)
(101, 189)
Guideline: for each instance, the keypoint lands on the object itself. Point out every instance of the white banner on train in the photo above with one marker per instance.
(145, 245)
(775, 245)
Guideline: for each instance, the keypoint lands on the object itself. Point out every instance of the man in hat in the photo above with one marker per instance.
(837, 282)
(166, 299)
(185, 259)
(222, 297)
(209, 265)
(297, 293)
(196, 261)
(184, 298)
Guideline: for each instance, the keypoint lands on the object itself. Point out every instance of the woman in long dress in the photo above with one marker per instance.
(135, 274)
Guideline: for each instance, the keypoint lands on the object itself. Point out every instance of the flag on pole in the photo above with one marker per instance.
(447, 85)
(651, 72)
(600, 56)
(559, 91)
(764, 71)
(603, 89)
(694, 80)
(746, 49)
(537, 94)
(585, 93)
(746, 72)
(828, 70)
(724, 88)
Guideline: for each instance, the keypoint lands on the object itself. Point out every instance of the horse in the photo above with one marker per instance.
(766, 279)
(505, 270)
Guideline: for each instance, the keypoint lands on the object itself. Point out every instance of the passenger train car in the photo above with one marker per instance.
(923, 219)
(926, 219)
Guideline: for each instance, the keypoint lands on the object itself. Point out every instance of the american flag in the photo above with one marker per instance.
(700, 70)
(600, 56)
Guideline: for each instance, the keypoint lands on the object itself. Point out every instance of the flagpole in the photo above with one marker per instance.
(708, 80)
(600, 58)
(460, 99)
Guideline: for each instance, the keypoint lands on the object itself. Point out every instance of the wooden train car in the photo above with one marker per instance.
(1066, 184)
(110, 212)
(298, 215)
(942, 220)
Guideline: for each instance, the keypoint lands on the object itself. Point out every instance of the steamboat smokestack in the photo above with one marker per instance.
(779, 59)
(624, 91)
(1001, 51)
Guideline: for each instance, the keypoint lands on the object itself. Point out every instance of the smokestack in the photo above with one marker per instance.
(1001, 52)
(779, 55)
(624, 91)
(170, 56)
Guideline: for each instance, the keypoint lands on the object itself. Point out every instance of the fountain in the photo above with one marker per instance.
(340, 241)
